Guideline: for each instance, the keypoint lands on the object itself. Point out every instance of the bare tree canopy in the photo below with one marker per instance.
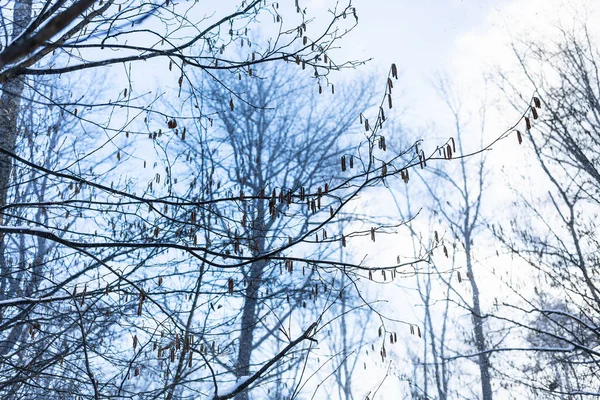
(212, 201)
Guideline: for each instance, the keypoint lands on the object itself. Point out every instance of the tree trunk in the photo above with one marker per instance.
(249, 319)
(10, 101)
(483, 358)
(248, 323)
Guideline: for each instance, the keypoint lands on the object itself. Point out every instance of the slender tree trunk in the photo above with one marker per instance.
(483, 358)
(346, 372)
(249, 323)
(249, 319)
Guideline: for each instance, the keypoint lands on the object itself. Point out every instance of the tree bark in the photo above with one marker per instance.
(10, 101)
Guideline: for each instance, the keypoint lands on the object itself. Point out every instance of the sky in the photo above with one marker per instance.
(418, 35)
(461, 39)
(421, 37)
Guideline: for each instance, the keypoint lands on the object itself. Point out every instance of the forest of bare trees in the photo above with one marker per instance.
(214, 202)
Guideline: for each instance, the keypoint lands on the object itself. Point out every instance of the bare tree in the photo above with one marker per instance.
(456, 194)
(280, 139)
(434, 287)
(555, 233)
